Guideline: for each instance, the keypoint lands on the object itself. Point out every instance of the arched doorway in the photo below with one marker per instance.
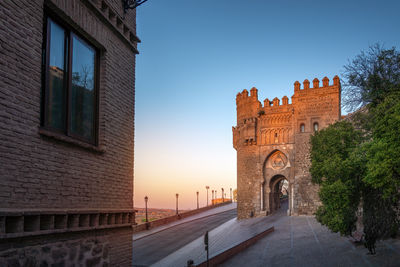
(279, 192)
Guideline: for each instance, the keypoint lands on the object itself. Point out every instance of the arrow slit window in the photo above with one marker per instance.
(302, 128)
(316, 126)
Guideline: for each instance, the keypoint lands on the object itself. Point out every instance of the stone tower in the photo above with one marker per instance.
(272, 144)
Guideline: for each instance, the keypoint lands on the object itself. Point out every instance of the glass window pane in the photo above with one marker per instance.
(82, 90)
(55, 116)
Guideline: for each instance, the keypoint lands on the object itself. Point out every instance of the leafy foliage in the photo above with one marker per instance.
(337, 169)
(379, 216)
(362, 164)
(383, 152)
(332, 147)
(338, 212)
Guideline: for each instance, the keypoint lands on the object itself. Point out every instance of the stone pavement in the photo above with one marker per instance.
(302, 241)
(296, 241)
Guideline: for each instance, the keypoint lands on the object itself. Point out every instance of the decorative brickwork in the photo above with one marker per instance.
(273, 143)
(52, 184)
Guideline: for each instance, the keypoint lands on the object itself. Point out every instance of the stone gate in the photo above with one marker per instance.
(272, 144)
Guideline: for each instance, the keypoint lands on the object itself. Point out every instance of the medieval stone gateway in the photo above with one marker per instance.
(272, 144)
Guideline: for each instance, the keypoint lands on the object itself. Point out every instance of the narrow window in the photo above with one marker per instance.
(55, 97)
(82, 89)
(315, 126)
(302, 128)
(70, 96)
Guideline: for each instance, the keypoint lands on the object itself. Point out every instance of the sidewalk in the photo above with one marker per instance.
(296, 241)
(302, 241)
(207, 213)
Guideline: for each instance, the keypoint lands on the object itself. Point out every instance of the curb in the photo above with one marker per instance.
(225, 255)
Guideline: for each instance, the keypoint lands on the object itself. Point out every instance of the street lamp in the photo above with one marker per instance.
(212, 197)
(231, 195)
(177, 195)
(197, 193)
(207, 187)
(145, 202)
(222, 194)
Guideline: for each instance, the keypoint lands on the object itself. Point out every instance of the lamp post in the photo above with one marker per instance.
(231, 195)
(222, 194)
(177, 195)
(212, 197)
(197, 193)
(215, 196)
(145, 203)
(207, 187)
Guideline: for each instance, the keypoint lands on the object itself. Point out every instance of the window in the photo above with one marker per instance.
(302, 128)
(70, 93)
(315, 126)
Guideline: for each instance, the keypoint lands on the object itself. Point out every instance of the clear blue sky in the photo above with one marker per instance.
(195, 56)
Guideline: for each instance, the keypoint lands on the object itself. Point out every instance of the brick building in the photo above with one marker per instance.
(67, 81)
(272, 143)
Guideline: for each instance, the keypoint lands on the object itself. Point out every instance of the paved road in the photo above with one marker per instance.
(153, 248)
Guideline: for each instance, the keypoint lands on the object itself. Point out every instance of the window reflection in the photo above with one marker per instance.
(55, 116)
(82, 91)
(70, 91)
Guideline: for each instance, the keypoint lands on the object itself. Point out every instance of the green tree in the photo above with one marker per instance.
(361, 164)
(338, 169)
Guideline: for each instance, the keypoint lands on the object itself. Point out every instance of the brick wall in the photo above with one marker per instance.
(38, 171)
(43, 171)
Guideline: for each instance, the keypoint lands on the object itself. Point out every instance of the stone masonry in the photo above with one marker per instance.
(273, 143)
(62, 200)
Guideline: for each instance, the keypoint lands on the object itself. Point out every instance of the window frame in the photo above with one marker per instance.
(69, 34)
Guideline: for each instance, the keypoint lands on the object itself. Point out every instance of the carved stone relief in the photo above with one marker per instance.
(277, 161)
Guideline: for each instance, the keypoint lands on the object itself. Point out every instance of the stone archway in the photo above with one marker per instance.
(276, 170)
(275, 186)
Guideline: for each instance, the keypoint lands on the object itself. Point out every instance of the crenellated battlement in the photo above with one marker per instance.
(244, 97)
(316, 83)
(276, 102)
(249, 105)
(307, 102)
